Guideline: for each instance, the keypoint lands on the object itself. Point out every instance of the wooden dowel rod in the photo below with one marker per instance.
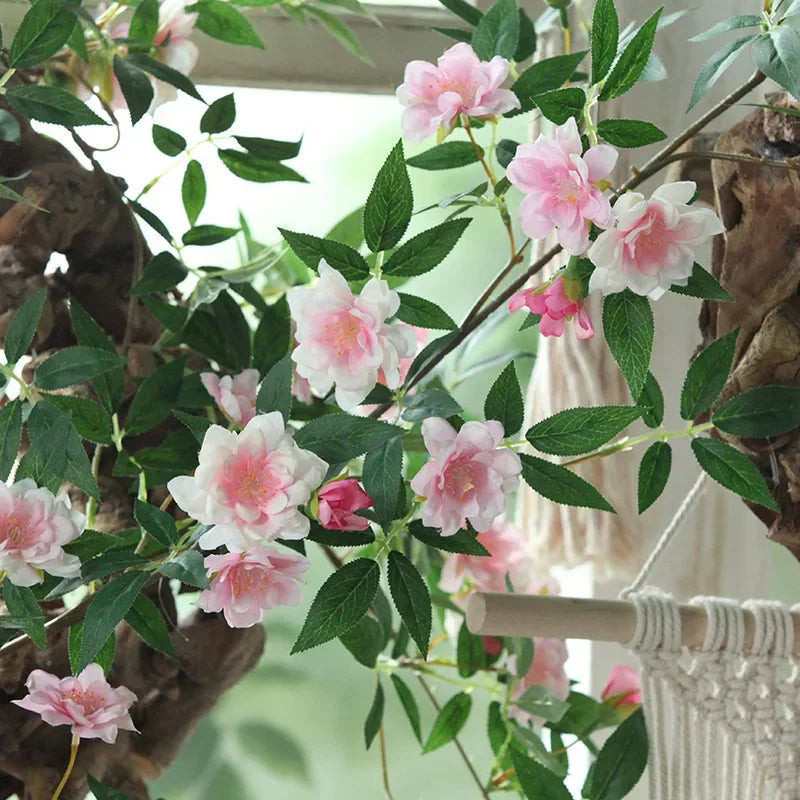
(490, 614)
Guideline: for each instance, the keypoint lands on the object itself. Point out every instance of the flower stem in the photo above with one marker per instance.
(91, 503)
(384, 765)
(6, 77)
(73, 752)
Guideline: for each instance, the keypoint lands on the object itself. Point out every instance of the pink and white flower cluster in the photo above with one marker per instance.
(87, 703)
(234, 394)
(460, 83)
(344, 339)
(34, 527)
(558, 302)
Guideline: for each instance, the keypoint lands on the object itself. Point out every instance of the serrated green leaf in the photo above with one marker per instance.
(605, 38)
(193, 190)
(504, 401)
(629, 132)
(162, 272)
(103, 792)
(136, 88)
(382, 477)
(733, 23)
(704, 285)
(90, 420)
(470, 653)
(544, 76)
(206, 235)
(168, 141)
(375, 716)
(557, 483)
(388, 209)
(713, 69)
(187, 567)
(426, 250)
(526, 46)
(273, 337)
(411, 598)
(622, 760)
(253, 168)
(341, 601)
(343, 258)
(23, 326)
(409, 704)
(561, 104)
(156, 397)
(223, 21)
(147, 621)
(341, 32)
(777, 55)
(430, 403)
(43, 31)
(160, 525)
(334, 538)
(336, 438)
(462, 9)
(760, 412)
(165, 73)
(449, 722)
(10, 436)
(364, 641)
(219, 116)
(422, 313)
(733, 470)
(447, 155)
(497, 32)
(270, 149)
(275, 393)
(496, 728)
(538, 701)
(629, 330)
(651, 402)
(50, 104)
(462, 541)
(104, 657)
(144, 26)
(536, 780)
(75, 365)
(707, 376)
(579, 430)
(22, 603)
(653, 474)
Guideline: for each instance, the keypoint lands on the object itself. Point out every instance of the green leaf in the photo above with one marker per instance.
(430, 403)
(411, 598)
(496, 728)
(704, 285)
(629, 132)
(197, 425)
(561, 104)
(219, 116)
(447, 155)
(115, 560)
(151, 219)
(504, 401)
(580, 430)
(382, 477)
(557, 483)
(375, 716)
(156, 397)
(422, 313)
(633, 60)
(144, 26)
(43, 31)
(544, 76)
(205, 235)
(537, 781)
(342, 257)
(273, 748)
(629, 331)
(426, 250)
(275, 393)
(187, 567)
(9, 128)
(10, 436)
(651, 402)
(462, 9)
(75, 365)
(449, 722)
(653, 474)
(103, 792)
(390, 203)
(162, 272)
(527, 38)
(147, 621)
(605, 38)
(459, 34)
(622, 760)
(506, 151)
(253, 168)
(50, 104)
(334, 538)
(193, 190)
(713, 69)
(733, 23)
(707, 376)
(760, 412)
(777, 55)
(273, 337)
(497, 32)
(364, 641)
(164, 73)
(136, 88)
(21, 602)
(470, 653)
(167, 141)
(23, 326)
(341, 32)
(409, 704)
(223, 21)
(270, 149)
(341, 601)
(160, 525)
(336, 438)
(538, 701)
(90, 420)
(733, 470)
(104, 657)
(107, 609)
(460, 542)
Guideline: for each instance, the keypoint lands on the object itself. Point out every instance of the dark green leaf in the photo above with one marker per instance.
(544, 76)
(160, 525)
(651, 401)
(733, 470)
(343, 258)
(113, 561)
(505, 152)
(197, 425)
(497, 32)
(715, 66)
(460, 542)
(219, 116)
(253, 168)
(205, 235)
(449, 722)
(341, 601)
(90, 420)
(633, 60)
(269, 149)
(459, 34)
(605, 38)
(653, 474)
(561, 104)
(390, 203)
(537, 781)
(10, 436)
(426, 250)
(411, 598)
(167, 141)
(165, 73)
(273, 337)
(147, 621)
(187, 567)
(105, 655)
(162, 272)
(462, 9)
(75, 365)
(557, 483)
(103, 792)
(364, 641)
(446, 156)
(193, 190)
(334, 538)
(136, 88)
(579, 430)
(470, 653)
(622, 760)
(504, 401)
(341, 32)
(43, 31)
(23, 326)
(336, 438)
(496, 728)
(760, 412)
(50, 104)
(107, 609)
(152, 220)
(374, 717)
(629, 132)
(275, 393)
(21, 602)
(707, 376)
(409, 704)
(431, 350)
(704, 285)
(527, 38)
(538, 701)
(382, 477)
(430, 403)
(274, 749)
(629, 331)
(734, 23)
(422, 313)
(778, 57)
(223, 21)
(144, 26)
(156, 397)
(172, 317)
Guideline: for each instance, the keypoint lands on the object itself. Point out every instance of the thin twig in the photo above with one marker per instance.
(460, 749)
(384, 765)
(711, 155)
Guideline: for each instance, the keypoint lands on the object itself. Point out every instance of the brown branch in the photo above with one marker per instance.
(710, 155)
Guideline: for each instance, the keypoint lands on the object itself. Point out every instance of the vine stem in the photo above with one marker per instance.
(384, 764)
(73, 752)
(462, 752)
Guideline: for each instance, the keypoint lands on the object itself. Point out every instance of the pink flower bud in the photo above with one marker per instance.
(338, 502)
(555, 307)
(623, 691)
(235, 395)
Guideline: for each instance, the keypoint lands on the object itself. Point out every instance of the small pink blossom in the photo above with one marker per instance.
(461, 83)
(563, 189)
(235, 395)
(34, 527)
(468, 476)
(623, 691)
(250, 485)
(344, 339)
(301, 388)
(547, 670)
(338, 502)
(556, 307)
(87, 703)
(244, 585)
(651, 247)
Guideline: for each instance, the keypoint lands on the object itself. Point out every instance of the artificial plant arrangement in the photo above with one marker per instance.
(212, 438)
